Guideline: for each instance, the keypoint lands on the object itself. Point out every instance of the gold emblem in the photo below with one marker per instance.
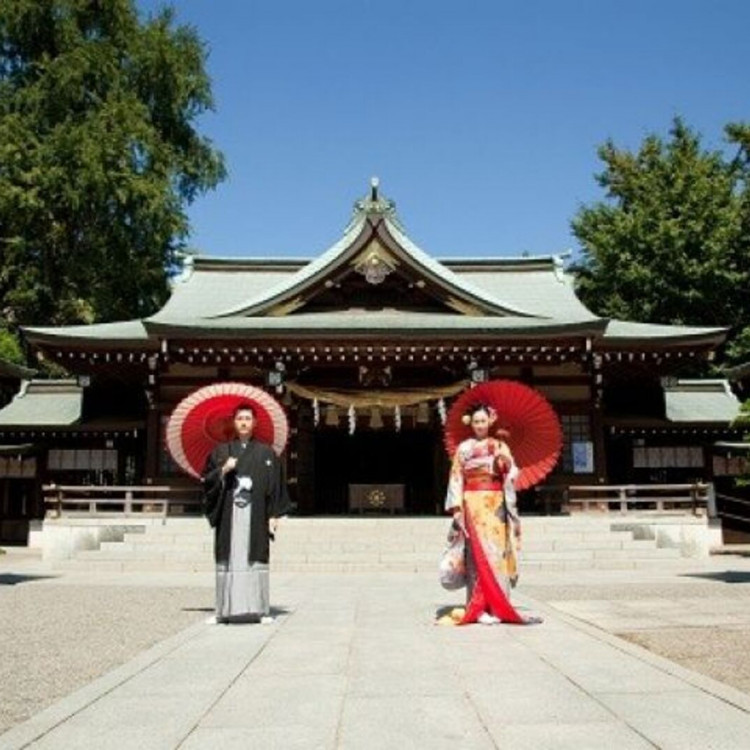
(376, 498)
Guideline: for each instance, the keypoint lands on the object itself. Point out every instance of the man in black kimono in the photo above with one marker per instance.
(244, 493)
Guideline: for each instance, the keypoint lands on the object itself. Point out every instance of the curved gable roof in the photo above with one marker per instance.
(374, 221)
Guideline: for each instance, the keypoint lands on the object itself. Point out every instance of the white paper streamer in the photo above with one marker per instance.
(441, 410)
(352, 419)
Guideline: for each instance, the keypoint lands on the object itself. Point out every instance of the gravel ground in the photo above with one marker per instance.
(719, 653)
(629, 591)
(56, 639)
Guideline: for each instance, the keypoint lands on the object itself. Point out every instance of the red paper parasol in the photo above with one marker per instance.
(205, 418)
(535, 434)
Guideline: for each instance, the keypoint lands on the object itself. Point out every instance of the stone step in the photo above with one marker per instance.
(370, 544)
(399, 558)
(285, 540)
(349, 525)
(616, 550)
(116, 555)
(603, 564)
(136, 566)
(141, 566)
(157, 547)
(531, 543)
(299, 532)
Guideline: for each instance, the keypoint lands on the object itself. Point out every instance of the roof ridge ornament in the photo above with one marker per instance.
(185, 266)
(374, 265)
(559, 264)
(375, 205)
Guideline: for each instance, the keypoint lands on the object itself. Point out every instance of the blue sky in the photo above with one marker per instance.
(481, 118)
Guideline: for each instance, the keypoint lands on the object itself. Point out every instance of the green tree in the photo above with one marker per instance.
(10, 349)
(99, 157)
(670, 244)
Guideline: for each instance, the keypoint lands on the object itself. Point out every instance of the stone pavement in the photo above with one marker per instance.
(354, 661)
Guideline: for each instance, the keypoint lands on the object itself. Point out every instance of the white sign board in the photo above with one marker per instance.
(583, 457)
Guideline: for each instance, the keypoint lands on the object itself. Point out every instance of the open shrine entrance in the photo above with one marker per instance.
(376, 472)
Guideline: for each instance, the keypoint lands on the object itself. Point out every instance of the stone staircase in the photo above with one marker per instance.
(366, 544)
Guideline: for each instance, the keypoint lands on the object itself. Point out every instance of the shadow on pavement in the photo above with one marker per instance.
(725, 576)
(275, 611)
(13, 579)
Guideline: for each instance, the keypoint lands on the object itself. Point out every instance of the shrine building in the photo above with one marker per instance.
(366, 345)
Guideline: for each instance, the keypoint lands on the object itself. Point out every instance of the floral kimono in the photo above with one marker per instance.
(479, 472)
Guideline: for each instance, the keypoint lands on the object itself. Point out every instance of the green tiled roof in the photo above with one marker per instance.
(540, 285)
(213, 285)
(291, 284)
(625, 332)
(44, 402)
(700, 401)
(272, 287)
(537, 285)
(511, 296)
(357, 321)
(454, 281)
(126, 333)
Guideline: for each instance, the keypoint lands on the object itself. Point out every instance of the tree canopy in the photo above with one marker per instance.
(99, 157)
(671, 241)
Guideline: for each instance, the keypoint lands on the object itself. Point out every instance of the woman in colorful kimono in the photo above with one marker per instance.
(482, 469)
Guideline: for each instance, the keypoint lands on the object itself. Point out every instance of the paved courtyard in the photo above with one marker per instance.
(354, 661)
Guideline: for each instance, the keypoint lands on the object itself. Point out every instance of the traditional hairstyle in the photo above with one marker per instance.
(244, 406)
(474, 408)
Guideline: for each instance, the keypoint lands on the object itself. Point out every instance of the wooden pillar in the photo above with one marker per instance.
(153, 426)
(153, 429)
(600, 444)
(597, 419)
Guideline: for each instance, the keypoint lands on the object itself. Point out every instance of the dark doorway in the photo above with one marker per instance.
(414, 458)
(17, 507)
(620, 460)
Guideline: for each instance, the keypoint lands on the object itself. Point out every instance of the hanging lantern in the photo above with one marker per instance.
(376, 419)
(316, 412)
(423, 413)
(397, 418)
(332, 416)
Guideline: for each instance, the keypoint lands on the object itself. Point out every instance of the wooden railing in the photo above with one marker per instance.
(697, 497)
(120, 501)
(734, 508)
(163, 501)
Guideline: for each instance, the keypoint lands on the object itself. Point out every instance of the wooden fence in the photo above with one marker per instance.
(120, 501)
(163, 501)
(698, 498)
